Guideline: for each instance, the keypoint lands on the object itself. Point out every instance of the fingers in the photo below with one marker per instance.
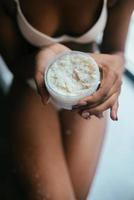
(111, 103)
(115, 89)
(59, 48)
(106, 97)
(114, 110)
(109, 78)
(104, 93)
(86, 115)
(104, 106)
(44, 56)
(39, 79)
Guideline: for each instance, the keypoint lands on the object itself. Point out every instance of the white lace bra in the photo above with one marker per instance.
(40, 39)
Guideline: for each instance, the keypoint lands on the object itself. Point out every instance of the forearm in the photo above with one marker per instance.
(16, 51)
(115, 33)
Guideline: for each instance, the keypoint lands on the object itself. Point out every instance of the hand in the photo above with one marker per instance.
(42, 58)
(106, 97)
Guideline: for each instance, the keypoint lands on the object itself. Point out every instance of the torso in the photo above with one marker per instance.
(58, 17)
(68, 17)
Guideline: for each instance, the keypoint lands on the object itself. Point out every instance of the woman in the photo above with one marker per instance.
(56, 152)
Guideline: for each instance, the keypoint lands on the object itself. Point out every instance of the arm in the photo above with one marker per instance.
(111, 61)
(116, 30)
(13, 45)
(24, 60)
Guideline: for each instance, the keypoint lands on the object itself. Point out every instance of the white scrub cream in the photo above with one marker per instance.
(71, 77)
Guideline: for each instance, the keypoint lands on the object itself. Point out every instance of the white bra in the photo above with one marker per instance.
(40, 39)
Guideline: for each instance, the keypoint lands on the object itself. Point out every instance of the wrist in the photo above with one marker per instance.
(120, 60)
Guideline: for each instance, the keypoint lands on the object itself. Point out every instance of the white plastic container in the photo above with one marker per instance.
(65, 78)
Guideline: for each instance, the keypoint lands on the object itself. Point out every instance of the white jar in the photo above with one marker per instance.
(70, 77)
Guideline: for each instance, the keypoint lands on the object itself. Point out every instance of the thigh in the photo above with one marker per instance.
(37, 145)
(82, 143)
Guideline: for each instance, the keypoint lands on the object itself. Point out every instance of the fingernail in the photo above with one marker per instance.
(115, 116)
(116, 119)
(82, 103)
(85, 114)
(100, 115)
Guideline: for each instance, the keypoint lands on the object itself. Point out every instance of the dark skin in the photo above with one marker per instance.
(57, 21)
(72, 18)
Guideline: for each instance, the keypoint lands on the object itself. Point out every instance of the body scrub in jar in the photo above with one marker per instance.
(70, 77)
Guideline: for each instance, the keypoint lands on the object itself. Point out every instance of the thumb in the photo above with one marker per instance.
(42, 90)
